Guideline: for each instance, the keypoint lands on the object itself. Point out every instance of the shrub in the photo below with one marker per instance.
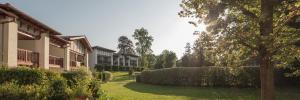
(131, 71)
(98, 75)
(58, 89)
(99, 67)
(24, 85)
(13, 91)
(78, 77)
(115, 68)
(22, 76)
(95, 90)
(78, 82)
(202, 76)
(107, 76)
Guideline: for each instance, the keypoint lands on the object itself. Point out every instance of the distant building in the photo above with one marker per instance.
(108, 57)
(101, 56)
(126, 60)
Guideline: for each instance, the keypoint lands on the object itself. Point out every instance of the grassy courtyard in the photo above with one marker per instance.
(123, 87)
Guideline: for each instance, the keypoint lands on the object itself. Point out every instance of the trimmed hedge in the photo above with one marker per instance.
(22, 76)
(209, 77)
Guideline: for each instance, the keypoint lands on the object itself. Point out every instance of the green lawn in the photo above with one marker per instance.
(123, 87)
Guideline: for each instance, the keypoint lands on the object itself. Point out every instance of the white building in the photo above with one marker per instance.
(101, 56)
(108, 57)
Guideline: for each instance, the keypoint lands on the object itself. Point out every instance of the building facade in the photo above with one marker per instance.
(101, 56)
(28, 42)
(129, 60)
(107, 57)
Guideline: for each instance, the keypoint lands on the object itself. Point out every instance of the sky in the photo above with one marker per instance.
(104, 21)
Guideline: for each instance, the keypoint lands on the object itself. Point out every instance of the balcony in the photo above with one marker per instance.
(27, 58)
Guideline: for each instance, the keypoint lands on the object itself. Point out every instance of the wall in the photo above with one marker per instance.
(93, 58)
(27, 44)
(77, 46)
(56, 51)
(10, 38)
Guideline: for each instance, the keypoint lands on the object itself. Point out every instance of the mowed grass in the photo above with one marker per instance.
(123, 87)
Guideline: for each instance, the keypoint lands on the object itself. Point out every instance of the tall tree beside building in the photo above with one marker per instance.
(125, 45)
(260, 26)
(143, 45)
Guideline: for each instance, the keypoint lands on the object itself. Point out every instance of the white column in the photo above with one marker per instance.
(112, 60)
(129, 61)
(9, 39)
(67, 58)
(118, 59)
(137, 62)
(86, 59)
(42, 47)
(124, 61)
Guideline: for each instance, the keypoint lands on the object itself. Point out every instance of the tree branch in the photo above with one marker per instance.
(242, 40)
(245, 11)
(286, 19)
(274, 51)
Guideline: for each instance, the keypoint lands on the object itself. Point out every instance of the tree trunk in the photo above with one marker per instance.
(266, 76)
(266, 67)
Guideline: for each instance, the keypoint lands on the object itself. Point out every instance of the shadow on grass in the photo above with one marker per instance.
(196, 92)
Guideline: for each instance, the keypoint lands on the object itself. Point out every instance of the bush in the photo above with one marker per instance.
(22, 76)
(36, 84)
(107, 76)
(203, 76)
(115, 68)
(76, 78)
(58, 89)
(95, 90)
(78, 82)
(13, 91)
(131, 71)
(98, 75)
(99, 67)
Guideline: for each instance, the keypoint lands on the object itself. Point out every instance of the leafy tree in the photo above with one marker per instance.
(169, 59)
(166, 59)
(159, 62)
(125, 45)
(204, 50)
(143, 45)
(249, 27)
(187, 57)
(151, 60)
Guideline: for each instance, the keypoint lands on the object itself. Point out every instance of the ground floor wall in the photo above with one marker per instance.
(56, 51)
(27, 44)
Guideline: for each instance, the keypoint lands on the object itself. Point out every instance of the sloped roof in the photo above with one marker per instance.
(102, 48)
(18, 13)
(83, 39)
(119, 54)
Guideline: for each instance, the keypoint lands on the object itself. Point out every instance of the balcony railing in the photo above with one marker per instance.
(73, 63)
(56, 61)
(27, 57)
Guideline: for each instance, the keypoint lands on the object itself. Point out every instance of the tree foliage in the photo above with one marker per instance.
(143, 45)
(247, 29)
(125, 45)
(166, 59)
